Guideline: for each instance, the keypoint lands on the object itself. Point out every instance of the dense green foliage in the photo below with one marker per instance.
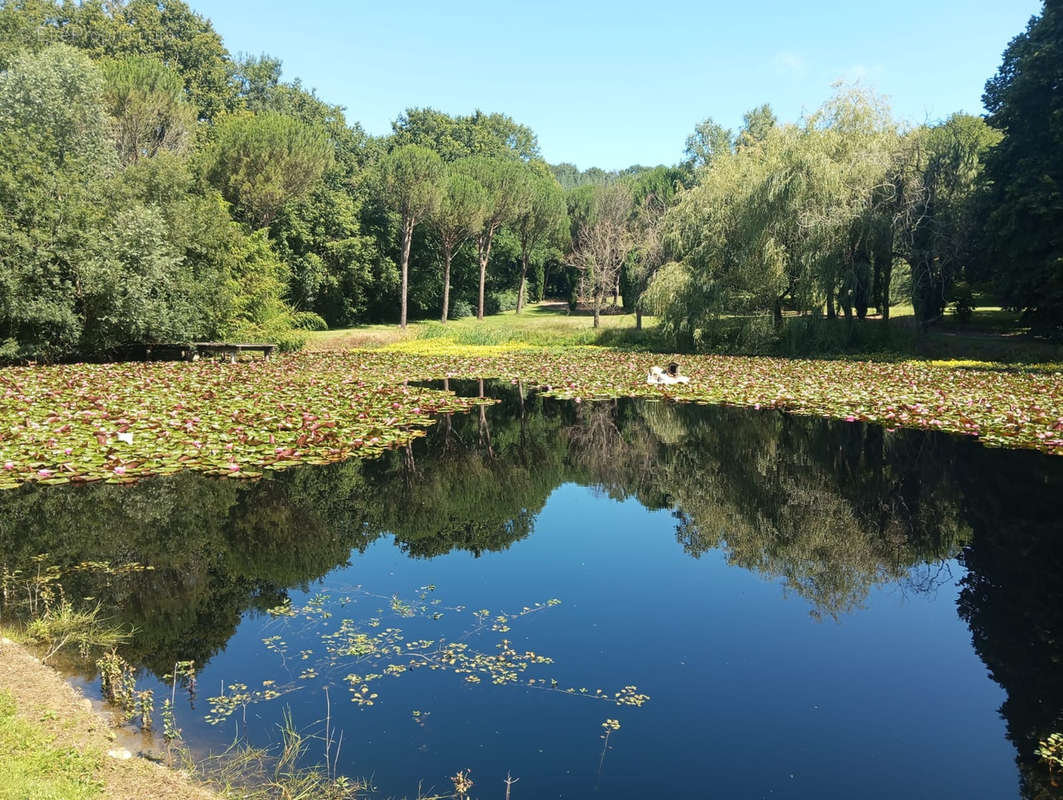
(1025, 172)
(235, 204)
(454, 138)
(112, 233)
(121, 119)
(147, 101)
(814, 217)
(260, 163)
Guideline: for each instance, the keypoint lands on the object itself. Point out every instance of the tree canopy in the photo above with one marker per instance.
(411, 179)
(150, 110)
(1024, 172)
(842, 213)
(262, 162)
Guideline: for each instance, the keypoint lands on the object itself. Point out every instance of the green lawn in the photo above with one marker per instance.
(991, 335)
(984, 319)
(538, 325)
(33, 768)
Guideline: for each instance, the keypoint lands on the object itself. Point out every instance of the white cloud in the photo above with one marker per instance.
(857, 73)
(791, 64)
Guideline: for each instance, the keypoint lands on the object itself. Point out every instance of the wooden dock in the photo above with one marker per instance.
(231, 350)
(194, 350)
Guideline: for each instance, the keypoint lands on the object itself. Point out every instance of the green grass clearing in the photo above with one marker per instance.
(992, 336)
(538, 325)
(32, 768)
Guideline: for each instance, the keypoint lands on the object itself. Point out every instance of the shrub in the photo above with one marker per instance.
(962, 301)
(460, 309)
(496, 302)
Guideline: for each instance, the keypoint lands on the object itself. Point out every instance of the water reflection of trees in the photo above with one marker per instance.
(1012, 598)
(830, 509)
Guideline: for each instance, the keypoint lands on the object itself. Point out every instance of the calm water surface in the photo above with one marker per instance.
(814, 609)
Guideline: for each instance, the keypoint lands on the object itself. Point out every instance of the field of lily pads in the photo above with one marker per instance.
(119, 422)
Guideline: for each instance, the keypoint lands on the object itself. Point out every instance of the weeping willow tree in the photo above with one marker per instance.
(811, 219)
(775, 225)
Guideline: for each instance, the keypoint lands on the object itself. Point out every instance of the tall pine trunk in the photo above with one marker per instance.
(407, 237)
(523, 280)
(446, 281)
(484, 248)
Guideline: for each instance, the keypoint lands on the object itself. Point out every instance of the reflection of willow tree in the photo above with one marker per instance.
(1012, 597)
(832, 509)
(835, 508)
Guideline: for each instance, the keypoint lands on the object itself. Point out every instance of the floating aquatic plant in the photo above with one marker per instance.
(120, 422)
(364, 653)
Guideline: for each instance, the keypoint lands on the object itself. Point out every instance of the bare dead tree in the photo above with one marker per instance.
(602, 245)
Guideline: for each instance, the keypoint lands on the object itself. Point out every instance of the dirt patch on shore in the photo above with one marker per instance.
(51, 705)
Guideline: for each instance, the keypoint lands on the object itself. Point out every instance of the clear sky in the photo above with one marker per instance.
(611, 84)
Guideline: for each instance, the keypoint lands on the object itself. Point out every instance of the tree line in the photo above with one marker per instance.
(155, 188)
(849, 210)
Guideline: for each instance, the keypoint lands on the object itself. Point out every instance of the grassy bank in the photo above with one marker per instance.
(54, 747)
(31, 766)
(991, 335)
(539, 325)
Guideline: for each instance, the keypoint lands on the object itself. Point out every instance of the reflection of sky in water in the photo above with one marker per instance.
(749, 694)
(752, 692)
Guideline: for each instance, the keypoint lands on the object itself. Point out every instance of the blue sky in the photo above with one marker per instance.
(613, 84)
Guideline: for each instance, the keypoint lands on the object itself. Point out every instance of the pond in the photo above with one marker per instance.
(632, 598)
